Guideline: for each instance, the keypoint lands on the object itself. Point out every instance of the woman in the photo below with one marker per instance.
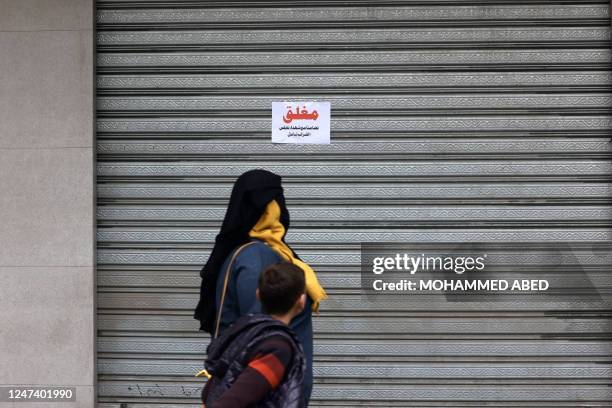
(257, 216)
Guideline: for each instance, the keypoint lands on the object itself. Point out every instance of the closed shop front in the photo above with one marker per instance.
(484, 122)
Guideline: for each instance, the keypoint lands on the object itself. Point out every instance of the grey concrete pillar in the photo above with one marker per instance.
(47, 267)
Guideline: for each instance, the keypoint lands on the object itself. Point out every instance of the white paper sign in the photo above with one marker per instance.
(301, 122)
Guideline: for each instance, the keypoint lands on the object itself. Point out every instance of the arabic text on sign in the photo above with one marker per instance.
(299, 114)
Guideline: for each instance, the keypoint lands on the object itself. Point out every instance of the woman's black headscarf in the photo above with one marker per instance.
(251, 194)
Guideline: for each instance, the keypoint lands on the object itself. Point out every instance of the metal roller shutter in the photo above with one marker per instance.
(452, 121)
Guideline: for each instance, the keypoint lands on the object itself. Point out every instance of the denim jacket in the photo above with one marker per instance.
(240, 298)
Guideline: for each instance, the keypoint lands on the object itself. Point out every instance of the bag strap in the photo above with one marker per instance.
(225, 282)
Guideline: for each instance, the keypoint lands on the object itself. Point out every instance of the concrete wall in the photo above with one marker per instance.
(47, 266)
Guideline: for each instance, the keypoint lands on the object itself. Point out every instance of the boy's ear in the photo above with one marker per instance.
(257, 294)
(302, 301)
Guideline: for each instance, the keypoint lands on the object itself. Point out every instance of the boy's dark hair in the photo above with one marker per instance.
(280, 286)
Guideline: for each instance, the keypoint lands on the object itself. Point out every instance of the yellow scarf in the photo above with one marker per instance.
(270, 230)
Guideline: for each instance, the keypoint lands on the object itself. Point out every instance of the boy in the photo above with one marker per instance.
(259, 361)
